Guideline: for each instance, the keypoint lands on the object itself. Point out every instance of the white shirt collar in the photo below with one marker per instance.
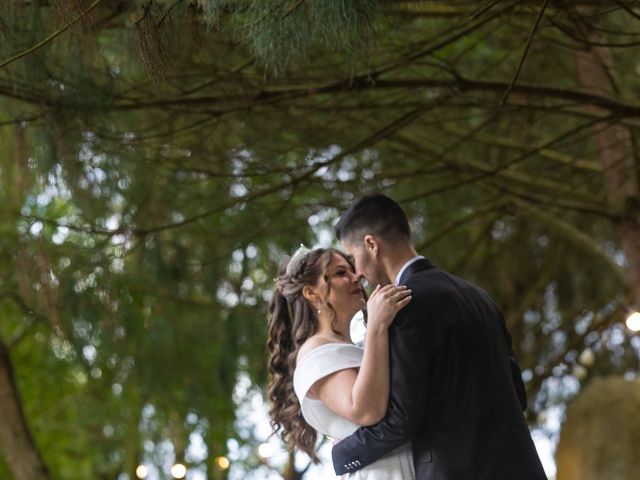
(405, 266)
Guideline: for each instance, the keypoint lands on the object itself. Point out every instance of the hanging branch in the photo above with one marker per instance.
(370, 140)
(581, 240)
(166, 14)
(295, 6)
(151, 45)
(601, 323)
(486, 8)
(621, 6)
(526, 51)
(41, 44)
(628, 9)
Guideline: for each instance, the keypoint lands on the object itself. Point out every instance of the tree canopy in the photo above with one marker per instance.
(159, 158)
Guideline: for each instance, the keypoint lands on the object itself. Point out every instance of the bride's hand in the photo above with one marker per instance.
(384, 303)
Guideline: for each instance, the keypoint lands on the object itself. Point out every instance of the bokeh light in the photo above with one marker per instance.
(633, 322)
(142, 471)
(222, 463)
(178, 470)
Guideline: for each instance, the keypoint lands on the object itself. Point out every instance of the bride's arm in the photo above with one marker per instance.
(361, 396)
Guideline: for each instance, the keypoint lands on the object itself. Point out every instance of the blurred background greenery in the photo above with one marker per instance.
(159, 158)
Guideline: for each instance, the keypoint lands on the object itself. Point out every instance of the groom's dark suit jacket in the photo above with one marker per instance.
(456, 390)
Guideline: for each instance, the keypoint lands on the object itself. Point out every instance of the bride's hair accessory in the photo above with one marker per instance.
(296, 259)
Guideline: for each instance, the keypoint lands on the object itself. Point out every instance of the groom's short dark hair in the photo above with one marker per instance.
(374, 214)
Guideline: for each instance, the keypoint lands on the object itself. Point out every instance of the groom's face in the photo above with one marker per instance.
(366, 264)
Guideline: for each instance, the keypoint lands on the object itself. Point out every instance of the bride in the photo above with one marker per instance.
(320, 382)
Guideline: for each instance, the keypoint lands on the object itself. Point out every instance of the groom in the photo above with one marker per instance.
(456, 390)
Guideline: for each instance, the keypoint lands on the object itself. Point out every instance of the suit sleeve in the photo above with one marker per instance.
(516, 374)
(517, 381)
(412, 343)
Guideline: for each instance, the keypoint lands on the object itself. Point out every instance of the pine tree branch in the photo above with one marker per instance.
(510, 179)
(271, 96)
(526, 51)
(550, 201)
(482, 236)
(467, 85)
(26, 309)
(487, 175)
(460, 31)
(470, 9)
(166, 14)
(21, 335)
(76, 228)
(484, 9)
(293, 8)
(621, 6)
(17, 121)
(456, 223)
(51, 37)
(561, 28)
(372, 139)
(549, 153)
(146, 11)
(576, 237)
(577, 344)
(504, 184)
(627, 8)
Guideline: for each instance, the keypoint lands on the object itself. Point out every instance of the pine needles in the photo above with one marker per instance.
(151, 46)
(291, 32)
(70, 10)
(288, 31)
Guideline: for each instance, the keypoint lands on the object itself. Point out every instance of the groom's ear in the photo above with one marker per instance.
(371, 244)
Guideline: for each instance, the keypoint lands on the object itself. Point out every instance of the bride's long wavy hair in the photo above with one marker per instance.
(292, 320)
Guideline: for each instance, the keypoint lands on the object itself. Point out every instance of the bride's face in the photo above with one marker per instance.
(346, 294)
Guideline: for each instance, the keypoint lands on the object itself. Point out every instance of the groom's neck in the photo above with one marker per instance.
(395, 257)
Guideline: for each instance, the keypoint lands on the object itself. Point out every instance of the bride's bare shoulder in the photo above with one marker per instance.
(312, 342)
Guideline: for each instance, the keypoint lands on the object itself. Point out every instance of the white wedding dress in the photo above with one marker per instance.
(325, 360)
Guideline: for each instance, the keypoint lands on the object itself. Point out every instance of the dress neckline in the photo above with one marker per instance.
(330, 344)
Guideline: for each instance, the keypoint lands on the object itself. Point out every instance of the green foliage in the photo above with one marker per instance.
(143, 218)
(286, 32)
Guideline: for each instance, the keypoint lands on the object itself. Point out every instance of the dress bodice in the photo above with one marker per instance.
(315, 365)
(325, 360)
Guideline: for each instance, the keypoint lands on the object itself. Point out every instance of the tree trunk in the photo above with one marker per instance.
(16, 443)
(290, 472)
(133, 449)
(617, 157)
